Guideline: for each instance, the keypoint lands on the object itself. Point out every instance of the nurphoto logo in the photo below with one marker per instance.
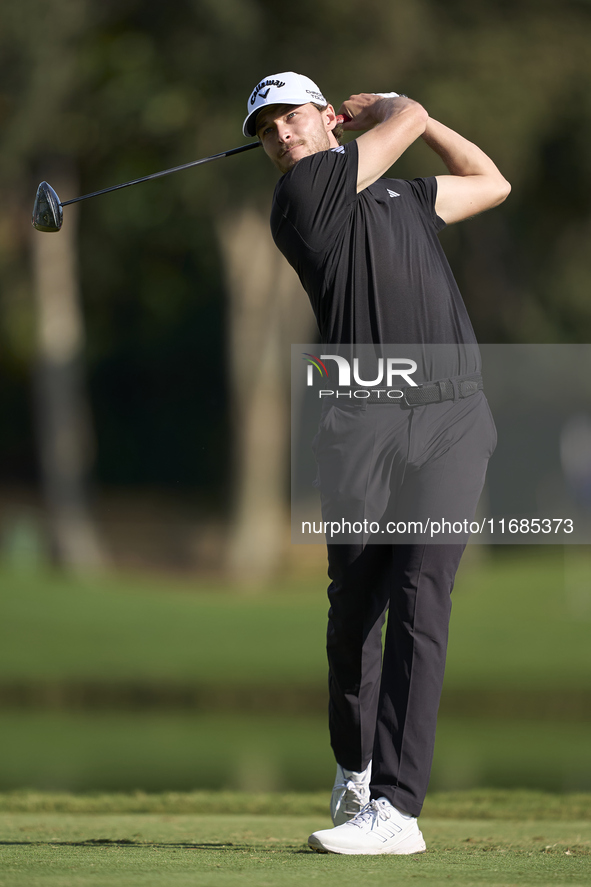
(388, 371)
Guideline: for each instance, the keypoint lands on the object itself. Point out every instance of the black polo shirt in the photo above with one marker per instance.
(371, 263)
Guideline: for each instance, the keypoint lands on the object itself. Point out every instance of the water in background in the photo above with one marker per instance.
(106, 751)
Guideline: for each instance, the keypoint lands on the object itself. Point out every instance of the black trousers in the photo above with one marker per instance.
(387, 461)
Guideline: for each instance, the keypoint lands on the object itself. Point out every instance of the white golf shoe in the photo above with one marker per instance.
(378, 829)
(350, 793)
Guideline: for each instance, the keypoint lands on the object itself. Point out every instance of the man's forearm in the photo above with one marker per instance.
(461, 157)
(474, 184)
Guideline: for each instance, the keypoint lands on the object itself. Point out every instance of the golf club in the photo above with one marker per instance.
(47, 210)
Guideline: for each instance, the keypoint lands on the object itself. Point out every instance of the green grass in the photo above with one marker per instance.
(476, 804)
(523, 620)
(104, 843)
(127, 628)
(516, 624)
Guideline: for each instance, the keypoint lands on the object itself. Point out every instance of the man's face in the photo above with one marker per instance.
(290, 132)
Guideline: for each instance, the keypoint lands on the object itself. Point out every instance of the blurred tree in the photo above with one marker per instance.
(64, 426)
(45, 41)
(268, 311)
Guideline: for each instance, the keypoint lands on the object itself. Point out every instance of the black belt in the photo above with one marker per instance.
(432, 392)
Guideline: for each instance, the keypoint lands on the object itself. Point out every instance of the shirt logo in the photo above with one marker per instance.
(392, 193)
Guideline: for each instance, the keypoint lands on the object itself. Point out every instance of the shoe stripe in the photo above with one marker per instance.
(385, 832)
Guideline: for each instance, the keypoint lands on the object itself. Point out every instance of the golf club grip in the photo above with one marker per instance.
(343, 118)
(165, 172)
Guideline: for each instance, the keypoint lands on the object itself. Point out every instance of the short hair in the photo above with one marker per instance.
(338, 130)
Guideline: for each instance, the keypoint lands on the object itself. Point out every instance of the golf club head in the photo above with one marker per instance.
(47, 211)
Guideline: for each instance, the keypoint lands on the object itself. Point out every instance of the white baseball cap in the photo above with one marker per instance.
(280, 89)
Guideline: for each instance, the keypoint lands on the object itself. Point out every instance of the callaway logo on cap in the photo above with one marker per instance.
(280, 89)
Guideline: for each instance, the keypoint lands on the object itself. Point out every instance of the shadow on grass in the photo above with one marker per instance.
(125, 842)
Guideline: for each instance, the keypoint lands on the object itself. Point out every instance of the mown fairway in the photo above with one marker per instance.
(473, 839)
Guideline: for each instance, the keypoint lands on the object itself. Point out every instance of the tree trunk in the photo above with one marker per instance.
(62, 413)
(267, 311)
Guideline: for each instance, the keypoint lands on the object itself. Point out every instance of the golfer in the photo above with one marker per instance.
(367, 253)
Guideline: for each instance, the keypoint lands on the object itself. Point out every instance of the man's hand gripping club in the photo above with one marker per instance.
(389, 125)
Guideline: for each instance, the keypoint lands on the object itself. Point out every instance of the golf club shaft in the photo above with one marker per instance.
(164, 172)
